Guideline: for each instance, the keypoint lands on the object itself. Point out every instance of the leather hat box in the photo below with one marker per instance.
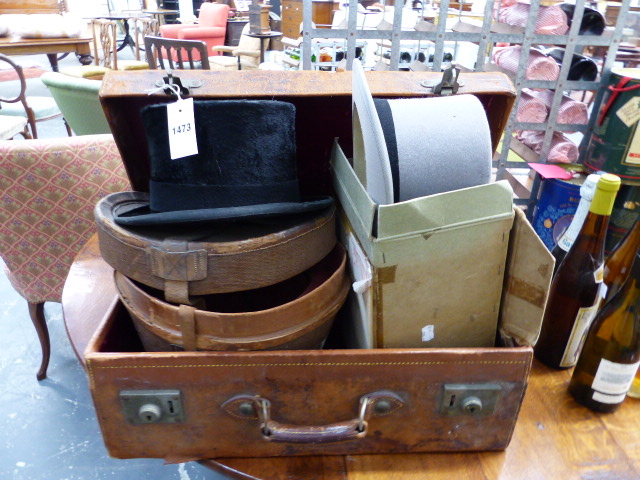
(211, 404)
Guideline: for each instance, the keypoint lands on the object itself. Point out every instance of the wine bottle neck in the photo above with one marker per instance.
(605, 194)
(595, 227)
(629, 244)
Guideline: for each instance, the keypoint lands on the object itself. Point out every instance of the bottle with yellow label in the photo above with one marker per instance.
(574, 295)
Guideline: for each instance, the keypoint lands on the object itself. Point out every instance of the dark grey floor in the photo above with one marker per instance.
(48, 429)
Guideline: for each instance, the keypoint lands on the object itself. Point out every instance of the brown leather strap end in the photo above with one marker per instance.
(188, 324)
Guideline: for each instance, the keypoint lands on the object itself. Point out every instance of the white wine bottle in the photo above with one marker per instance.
(611, 353)
(565, 241)
(574, 294)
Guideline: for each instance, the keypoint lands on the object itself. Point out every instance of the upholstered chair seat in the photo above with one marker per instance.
(211, 27)
(49, 190)
(12, 126)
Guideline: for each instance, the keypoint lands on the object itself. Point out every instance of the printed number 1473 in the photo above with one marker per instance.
(186, 127)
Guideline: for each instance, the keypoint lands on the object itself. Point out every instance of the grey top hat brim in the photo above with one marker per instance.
(139, 214)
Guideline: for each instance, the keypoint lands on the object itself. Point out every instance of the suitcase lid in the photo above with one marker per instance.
(318, 121)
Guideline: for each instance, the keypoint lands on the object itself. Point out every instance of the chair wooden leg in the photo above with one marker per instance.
(36, 311)
(68, 127)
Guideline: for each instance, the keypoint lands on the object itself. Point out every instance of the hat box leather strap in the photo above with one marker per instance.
(213, 260)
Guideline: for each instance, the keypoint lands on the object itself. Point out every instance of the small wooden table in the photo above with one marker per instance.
(49, 46)
(555, 438)
(161, 13)
(264, 37)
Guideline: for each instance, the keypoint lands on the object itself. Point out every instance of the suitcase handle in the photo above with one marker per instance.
(380, 403)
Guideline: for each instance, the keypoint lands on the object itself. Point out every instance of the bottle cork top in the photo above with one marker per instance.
(609, 182)
(602, 203)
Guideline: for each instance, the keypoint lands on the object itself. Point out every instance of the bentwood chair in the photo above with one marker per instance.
(175, 54)
(14, 102)
(49, 190)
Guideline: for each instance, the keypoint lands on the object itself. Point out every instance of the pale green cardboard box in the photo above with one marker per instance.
(445, 270)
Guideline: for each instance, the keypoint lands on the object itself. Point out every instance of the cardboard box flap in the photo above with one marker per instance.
(423, 215)
(527, 281)
(446, 210)
(356, 203)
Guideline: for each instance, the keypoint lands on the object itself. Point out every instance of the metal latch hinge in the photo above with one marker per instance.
(152, 406)
(449, 83)
(172, 84)
(476, 399)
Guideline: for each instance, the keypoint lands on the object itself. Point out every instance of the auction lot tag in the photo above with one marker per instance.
(182, 129)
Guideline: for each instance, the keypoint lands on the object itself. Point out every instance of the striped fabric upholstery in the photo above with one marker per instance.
(531, 109)
(551, 20)
(563, 150)
(570, 111)
(539, 65)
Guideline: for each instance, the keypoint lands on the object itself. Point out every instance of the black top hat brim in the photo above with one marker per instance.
(139, 214)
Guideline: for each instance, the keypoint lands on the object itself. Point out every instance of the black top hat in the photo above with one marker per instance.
(582, 68)
(593, 22)
(245, 167)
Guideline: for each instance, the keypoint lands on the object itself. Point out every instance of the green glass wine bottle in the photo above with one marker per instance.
(611, 353)
(573, 298)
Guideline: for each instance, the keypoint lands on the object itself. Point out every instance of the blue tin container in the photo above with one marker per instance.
(556, 204)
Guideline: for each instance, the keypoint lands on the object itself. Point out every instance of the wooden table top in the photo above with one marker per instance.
(24, 46)
(555, 438)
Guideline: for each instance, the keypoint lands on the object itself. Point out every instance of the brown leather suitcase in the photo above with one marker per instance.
(196, 405)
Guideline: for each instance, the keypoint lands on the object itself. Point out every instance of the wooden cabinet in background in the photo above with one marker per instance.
(234, 30)
(322, 15)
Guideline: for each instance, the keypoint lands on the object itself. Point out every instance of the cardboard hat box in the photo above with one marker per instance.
(333, 401)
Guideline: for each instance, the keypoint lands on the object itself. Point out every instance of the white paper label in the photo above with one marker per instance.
(182, 129)
(629, 113)
(572, 231)
(632, 154)
(578, 334)
(428, 333)
(613, 380)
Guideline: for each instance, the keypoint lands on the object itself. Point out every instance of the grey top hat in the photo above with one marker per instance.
(245, 167)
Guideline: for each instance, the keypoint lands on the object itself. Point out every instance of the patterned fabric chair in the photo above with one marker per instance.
(49, 188)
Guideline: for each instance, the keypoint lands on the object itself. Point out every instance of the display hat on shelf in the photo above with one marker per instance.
(245, 167)
(593, 22)
(581, 68)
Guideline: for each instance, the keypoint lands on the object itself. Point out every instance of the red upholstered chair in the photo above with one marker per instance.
(48, 190)
(211, 27)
